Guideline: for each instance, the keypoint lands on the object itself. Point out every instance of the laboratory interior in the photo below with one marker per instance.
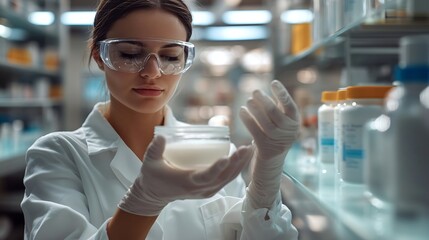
(358, 70)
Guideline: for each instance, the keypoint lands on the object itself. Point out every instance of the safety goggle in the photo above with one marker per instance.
(131, 55)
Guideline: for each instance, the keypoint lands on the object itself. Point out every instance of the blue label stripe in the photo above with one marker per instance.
(353, 153)
(327, 141)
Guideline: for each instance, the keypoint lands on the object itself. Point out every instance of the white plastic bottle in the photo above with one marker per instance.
(407, 131)
(326, 126)
(374, 173)
(338, 152)
(341, 103)
(365, 103)
(326, 144)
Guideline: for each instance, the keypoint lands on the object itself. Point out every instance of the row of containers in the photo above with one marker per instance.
(379, 136)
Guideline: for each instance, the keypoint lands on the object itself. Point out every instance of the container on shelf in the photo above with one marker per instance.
(321, 20)
(301, 37)
(355, 10)
(325, 128)
(374, 168)
(51, 61)
(41, 88)
(406, 132)
(417, 9)
(19, 54)
(365, 103)
(395, 9)
(341, 103)
(30, 76)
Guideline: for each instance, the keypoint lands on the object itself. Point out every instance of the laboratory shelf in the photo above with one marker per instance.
(11, 163)
(30, 31)
(382, 38)
(350, 204)
(26, 71)
(369, 41)
(25, 103)
(12, 154)
(310, 55)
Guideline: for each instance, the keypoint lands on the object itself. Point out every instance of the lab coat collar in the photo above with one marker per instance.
(125, 164)
(100, 135)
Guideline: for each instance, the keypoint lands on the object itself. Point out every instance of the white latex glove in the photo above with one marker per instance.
(274, 125)
(159, 183)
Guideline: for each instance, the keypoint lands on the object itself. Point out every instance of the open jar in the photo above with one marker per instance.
(195, 146)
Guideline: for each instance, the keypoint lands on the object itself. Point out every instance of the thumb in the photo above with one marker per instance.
(155, 148)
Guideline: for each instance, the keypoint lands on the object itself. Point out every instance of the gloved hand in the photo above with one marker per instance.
(274, 125)
(159, 183)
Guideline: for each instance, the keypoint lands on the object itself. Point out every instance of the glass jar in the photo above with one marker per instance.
(194, 147)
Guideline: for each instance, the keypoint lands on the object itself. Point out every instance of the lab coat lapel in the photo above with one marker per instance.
(125, 165)
(101, 137)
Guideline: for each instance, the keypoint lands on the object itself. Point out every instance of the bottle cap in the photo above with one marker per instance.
(341, 94)
(329, 96)
(416, 74)
(361, 92)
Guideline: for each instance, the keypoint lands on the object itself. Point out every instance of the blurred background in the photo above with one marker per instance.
(311, 46)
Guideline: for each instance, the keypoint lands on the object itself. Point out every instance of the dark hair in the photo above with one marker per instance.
(109, 11)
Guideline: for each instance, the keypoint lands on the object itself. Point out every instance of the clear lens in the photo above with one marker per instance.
(130, 55)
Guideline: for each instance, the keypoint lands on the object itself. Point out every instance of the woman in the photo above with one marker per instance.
(78, 183)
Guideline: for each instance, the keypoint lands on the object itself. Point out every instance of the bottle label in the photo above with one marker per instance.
(353, 121)
(329, 142)
(352, 161)
(326, 141)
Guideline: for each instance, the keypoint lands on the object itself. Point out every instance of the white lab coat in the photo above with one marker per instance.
(74, 181)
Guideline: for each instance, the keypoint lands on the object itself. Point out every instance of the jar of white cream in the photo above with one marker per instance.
(194, 147)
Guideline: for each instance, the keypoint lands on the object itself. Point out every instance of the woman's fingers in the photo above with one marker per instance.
(285, 100)
(238, 160)
(207, 176)
(251, 125)
(270, 110)
(223, 171)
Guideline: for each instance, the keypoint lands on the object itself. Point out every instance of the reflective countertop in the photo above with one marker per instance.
(325, 207)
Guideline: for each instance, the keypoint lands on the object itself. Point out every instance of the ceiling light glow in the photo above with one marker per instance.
(297, 16)
(41, 18)
(78, 18)
(203, 18)
(247, 17)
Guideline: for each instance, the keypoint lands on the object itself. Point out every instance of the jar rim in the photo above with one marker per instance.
(191, 129)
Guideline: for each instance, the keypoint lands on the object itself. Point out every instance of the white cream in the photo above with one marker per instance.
(195, 154)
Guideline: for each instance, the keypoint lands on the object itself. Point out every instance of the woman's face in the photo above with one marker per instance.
(147, 91)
